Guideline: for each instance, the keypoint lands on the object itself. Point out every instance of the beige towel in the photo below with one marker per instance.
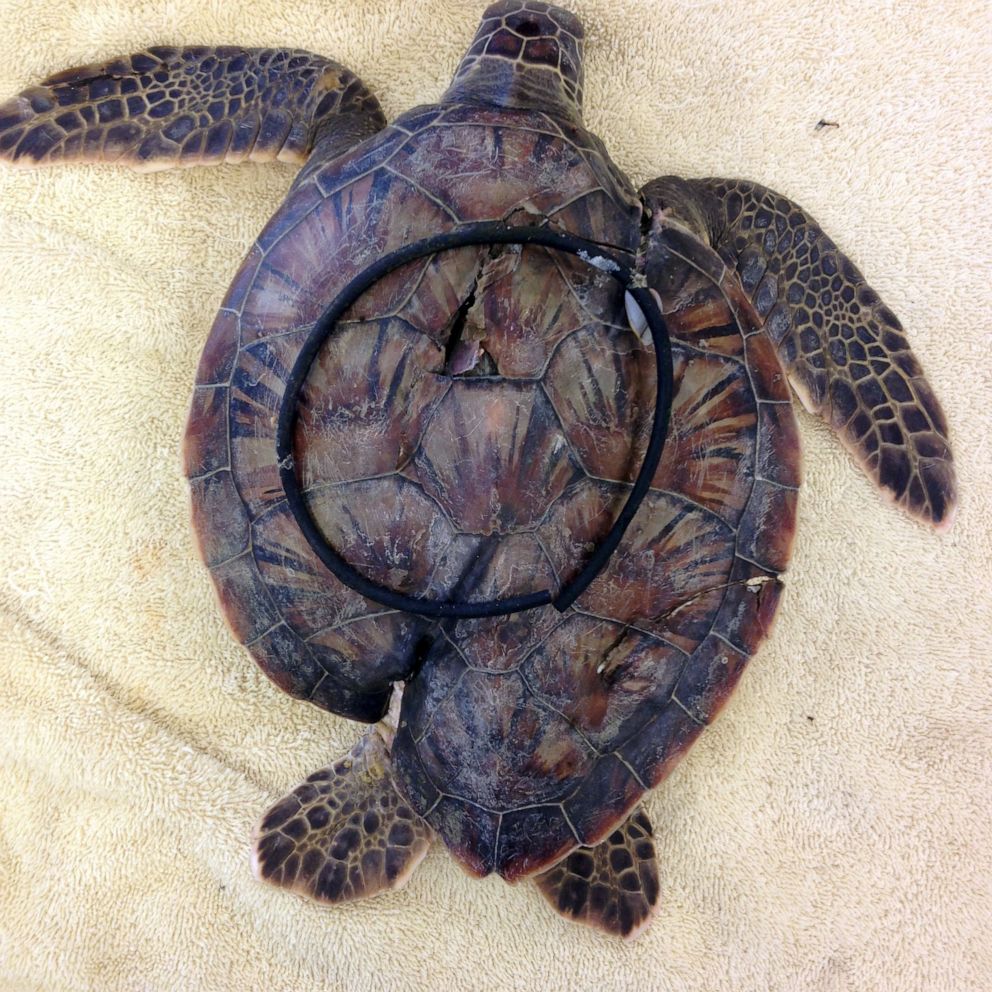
(831, 832)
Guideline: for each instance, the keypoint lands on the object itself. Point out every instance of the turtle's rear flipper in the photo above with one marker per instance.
(172, 107)
(343, 834)
(844, 351)
(613, 886)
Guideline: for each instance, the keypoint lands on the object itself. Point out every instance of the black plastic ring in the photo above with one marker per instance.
(475, 234)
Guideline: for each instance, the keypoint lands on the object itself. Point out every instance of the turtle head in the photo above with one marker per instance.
(526, 55)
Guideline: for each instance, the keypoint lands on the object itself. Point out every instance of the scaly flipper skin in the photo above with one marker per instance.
(343, 834)
(844, 351)
(168, 108)
(612, 886)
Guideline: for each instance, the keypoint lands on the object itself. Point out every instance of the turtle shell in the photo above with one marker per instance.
(490, 466)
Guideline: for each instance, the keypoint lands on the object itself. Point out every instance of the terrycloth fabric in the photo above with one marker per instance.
(831, 832)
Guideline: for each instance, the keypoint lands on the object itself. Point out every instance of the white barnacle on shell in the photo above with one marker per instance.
(636, 318)
(599, 262)
(755, 582)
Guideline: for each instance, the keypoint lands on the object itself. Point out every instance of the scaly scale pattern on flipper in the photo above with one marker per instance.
(170, 107)
(344, 833)
(845, 351)
(613, 886)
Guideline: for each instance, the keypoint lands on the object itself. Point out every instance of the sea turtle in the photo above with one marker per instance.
(471, 429)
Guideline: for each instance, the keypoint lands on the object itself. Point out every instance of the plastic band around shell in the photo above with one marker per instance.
(469, 235)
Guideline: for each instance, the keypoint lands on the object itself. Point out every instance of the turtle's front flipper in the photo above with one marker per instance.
(613, 886)
(343, 834)
(844, 351)
(172, 107)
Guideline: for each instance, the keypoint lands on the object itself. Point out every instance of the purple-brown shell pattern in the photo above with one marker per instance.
(522, 736)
